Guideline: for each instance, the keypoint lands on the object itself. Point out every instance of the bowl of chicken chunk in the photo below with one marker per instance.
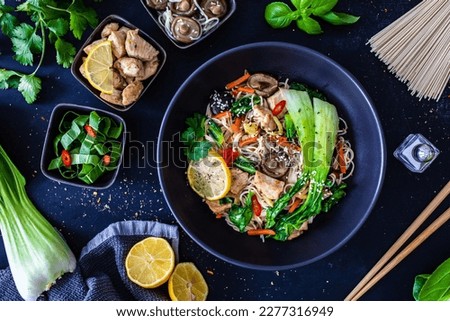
(118, 62)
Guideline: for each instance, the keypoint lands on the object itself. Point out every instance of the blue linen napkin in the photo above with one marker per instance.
(100, 274)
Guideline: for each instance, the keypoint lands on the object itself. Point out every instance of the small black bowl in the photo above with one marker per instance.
(154, 14)
(104, 181)
(330, 230)
(96, 34)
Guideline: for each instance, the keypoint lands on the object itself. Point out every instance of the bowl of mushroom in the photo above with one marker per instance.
(187, 22)
(134, 61)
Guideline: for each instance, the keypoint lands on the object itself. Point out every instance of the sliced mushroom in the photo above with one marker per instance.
(150, 68)
(274, 165)
(185, 29)
(214, 8)
(157, 4)
(182, 7)
(263, 84)
(113, 26)
(129, 67)
(117, 39)
(114, 98)
(138, 47)
(132, 92)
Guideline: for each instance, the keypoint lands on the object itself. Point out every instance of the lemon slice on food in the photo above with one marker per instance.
(98, 67)
(150, 262)
(210, 177)
(187, 283)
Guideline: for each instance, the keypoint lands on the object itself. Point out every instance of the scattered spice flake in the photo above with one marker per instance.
(210, 272)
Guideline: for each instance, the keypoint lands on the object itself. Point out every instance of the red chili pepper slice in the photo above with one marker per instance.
(279, 107)
(106, 160)
(90, 131)
(256, 207)
(66, 158)
(229, 155)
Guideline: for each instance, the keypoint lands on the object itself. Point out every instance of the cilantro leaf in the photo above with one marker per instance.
(197, 123)
(7, 21)
(58, 26)
(198, 150)
(29, 86)
(81, 17)
(65, 52)
(8, 79)
(26, 43)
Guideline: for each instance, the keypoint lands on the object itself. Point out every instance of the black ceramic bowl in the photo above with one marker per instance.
(329, 231)
(231, 5)
(96, 35)
(104, 181)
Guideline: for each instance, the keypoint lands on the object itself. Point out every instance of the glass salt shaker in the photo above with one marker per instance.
(416, 153)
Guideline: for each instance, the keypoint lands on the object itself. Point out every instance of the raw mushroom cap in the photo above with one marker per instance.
(183, 7)
(185, 29)
(214, 8)
(157, 4)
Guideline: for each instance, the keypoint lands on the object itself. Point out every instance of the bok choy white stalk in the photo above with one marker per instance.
(36, 252)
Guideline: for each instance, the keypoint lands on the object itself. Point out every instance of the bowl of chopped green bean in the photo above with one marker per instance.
(83, 147)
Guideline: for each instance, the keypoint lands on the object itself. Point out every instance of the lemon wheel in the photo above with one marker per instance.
(210, 177)
(187, 283)
(150, 262)
(98, 67)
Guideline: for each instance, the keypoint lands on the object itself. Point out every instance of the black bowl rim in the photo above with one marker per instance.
(115, 18)
(47, 143)
(230, 12)
(377, 124)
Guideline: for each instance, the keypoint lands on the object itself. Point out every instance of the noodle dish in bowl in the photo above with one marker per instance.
(272, 163)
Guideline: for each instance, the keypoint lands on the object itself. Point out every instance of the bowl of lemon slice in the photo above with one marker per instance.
(118, 62)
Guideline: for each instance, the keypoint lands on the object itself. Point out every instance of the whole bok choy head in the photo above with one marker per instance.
(36, 252)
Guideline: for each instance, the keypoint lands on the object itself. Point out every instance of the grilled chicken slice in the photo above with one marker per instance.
(150, 68)
(132, 92)
(218, 208)
(114, 98)
(239, 179)
(270, 187)
(118, 81)
(264, 118)
(129, 67)
(137, 47)
(113, 26)
(117, 39)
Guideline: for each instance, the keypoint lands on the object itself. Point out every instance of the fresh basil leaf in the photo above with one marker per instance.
(437, 286)
(419, 281)
(338, 18)
(278, 15)
(309, 25)
(320, 7)
(302, 4)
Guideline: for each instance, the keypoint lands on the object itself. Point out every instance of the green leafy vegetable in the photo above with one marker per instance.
(193, 138)
(240, 216)
(49, 23)
(244, 164)
(244, 105)
(87, 146)
(36, 252)
(434, 286)
(279, 15)
(216, 132)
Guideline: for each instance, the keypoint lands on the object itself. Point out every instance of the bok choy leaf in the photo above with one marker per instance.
(36, 252)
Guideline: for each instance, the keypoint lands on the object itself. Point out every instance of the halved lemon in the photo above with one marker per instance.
(187, 283)
(210, 177)
(98, 67)
(150, 262)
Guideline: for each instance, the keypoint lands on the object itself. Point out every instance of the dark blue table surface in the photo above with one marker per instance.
(82, 213)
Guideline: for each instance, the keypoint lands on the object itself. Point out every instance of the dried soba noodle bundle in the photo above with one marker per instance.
(416, 48)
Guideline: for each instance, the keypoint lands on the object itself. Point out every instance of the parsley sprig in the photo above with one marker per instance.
(50, 23)
(193, 138)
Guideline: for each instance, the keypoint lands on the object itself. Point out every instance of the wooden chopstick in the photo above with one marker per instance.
(380, 267)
